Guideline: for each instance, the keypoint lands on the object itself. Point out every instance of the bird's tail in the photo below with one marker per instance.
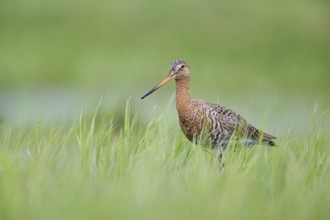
(259, 135)
(268, 139)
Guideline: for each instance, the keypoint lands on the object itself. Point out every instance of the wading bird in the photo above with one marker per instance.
(208, 123)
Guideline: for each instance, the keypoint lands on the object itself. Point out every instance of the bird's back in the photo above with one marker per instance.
(220, 125)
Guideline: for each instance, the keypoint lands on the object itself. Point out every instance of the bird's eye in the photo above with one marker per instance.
(182, 66)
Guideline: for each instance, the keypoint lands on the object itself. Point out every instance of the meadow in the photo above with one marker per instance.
(76, 141)
(96, 169)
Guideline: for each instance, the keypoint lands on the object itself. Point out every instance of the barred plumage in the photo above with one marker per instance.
(209, 123)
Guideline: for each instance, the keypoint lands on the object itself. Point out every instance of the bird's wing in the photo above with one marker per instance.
(223, 121)
(227, 122)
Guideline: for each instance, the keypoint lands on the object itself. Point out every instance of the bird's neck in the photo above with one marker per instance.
(183, 98)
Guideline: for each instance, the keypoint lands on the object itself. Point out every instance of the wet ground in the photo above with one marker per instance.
(293, 113)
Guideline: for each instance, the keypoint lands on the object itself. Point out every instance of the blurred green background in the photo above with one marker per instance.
(254, 56)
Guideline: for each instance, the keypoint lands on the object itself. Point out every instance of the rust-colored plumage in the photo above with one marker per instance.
(214, 124)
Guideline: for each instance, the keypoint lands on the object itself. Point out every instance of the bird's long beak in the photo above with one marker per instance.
(163, 82)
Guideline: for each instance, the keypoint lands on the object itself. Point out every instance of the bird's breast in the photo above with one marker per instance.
(191, 123)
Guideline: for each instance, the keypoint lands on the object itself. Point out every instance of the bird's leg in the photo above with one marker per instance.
(221, 147)
(221, 156)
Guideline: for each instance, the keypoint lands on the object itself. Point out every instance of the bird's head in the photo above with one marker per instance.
(179, 70)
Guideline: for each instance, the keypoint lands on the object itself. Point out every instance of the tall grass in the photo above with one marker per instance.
(98, 169)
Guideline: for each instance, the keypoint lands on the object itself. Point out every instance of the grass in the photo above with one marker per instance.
(102, 44)
(98, 169)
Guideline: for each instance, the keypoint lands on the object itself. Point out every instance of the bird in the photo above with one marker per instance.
(207, 123)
